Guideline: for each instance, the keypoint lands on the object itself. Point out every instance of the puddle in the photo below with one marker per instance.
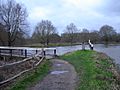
(58, 65)
(58, 72)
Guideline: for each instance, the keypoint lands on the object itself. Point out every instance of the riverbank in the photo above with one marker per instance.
(52, 45)
(96, 71)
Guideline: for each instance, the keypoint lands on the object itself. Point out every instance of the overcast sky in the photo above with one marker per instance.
(90, 14)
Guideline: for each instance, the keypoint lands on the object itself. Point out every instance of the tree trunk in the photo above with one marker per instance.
(9, 39)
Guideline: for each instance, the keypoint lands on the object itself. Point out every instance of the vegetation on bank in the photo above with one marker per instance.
(96, 71)
(32, 77)
(52, 45)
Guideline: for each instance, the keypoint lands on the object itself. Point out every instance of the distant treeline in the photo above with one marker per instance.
(72, 34)
(45, 33)
(14, 30)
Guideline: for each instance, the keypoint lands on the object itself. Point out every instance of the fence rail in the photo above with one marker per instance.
(32, 62)
(23, 51)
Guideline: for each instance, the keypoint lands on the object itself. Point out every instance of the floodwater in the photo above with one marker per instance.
(113, 51)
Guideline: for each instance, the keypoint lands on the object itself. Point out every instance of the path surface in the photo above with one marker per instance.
(61, 77)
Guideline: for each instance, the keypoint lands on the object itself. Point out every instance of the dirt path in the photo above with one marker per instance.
(61, 77)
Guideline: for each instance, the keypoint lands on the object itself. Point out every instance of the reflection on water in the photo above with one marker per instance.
(58, 72)
(58, 65)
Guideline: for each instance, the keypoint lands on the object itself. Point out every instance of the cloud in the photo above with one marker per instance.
(39, 13)
(82, 4)
(91, 14)
(110, 8)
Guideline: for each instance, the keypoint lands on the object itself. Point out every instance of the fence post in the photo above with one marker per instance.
(21, 51)
(25, 53)
(90, 45)
(11, 53)
(0, 52)
(55, 52)
(83, 46)
(36, 51)
(44, 53)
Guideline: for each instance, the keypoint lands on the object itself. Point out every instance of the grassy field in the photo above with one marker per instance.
(32, 77)
(95, 70)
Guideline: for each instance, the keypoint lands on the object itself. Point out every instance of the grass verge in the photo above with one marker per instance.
(96, 71)
(32, 77)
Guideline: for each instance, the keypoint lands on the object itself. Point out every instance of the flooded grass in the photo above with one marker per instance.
(96, 71)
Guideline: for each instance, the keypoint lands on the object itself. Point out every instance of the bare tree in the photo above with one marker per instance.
(94, 36)
(43, 31)
(106, 33)
(70, 31)
(85, 35)
(13, 17)
(2, 35)
(54, 38)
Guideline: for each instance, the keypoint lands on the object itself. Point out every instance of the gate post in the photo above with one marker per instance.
(21, 51)
(36, 51)
(55, 52)
(44, 53)
(25, 53)
(11, 53)
(0, 52)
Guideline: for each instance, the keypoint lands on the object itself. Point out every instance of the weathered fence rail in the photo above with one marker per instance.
(24, 51)
(24, 65)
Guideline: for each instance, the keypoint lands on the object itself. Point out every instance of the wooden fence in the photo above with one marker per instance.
(32, 62)
(23, 51)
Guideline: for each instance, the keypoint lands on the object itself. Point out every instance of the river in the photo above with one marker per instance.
(113, 51)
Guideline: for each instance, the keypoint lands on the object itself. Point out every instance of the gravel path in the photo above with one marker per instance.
(62, 77)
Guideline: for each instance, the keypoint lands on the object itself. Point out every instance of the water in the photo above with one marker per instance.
(112, 51)
(58, 65)
(66, 49)
(58, 72)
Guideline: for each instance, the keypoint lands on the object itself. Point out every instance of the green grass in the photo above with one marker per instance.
(94, 70)
(32, 77)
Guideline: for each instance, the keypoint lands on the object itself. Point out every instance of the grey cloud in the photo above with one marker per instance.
(110, 8)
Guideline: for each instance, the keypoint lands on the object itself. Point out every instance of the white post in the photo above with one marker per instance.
(83, 46)
(90, 45)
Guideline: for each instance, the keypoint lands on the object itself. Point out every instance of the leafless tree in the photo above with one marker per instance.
(2, 35)
(13, 17)
(107, 32)
(43, 31)
(94, 36)
(71, 29)
(84, 35)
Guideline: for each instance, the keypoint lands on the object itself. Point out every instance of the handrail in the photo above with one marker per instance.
(15, 76)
